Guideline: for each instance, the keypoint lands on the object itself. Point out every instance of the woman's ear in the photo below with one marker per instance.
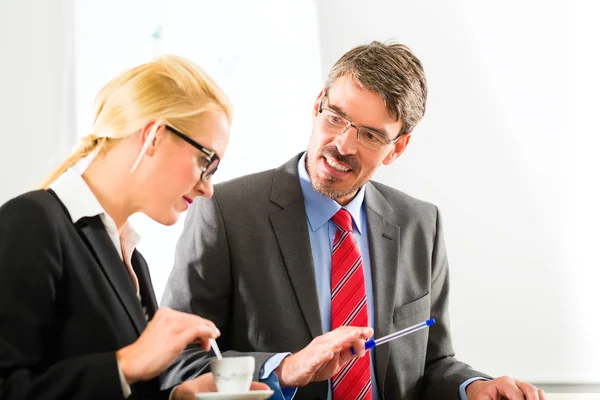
(148, 139)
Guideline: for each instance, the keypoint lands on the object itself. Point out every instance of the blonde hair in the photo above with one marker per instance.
(170, 88)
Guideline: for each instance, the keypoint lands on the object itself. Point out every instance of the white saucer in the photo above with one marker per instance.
(252, 394)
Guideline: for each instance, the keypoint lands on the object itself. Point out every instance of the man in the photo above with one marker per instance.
(278, 258)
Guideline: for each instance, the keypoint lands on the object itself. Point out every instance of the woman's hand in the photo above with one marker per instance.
(166, 336)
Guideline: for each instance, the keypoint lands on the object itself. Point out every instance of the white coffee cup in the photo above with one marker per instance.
(233, 374)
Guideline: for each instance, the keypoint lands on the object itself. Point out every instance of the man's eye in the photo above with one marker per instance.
(334, 119)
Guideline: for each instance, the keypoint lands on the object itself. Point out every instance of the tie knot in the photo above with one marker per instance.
(343, 220)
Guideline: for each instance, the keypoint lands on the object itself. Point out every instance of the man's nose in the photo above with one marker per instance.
(347, 142)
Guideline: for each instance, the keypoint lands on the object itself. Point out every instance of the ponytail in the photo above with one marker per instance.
(87, 145)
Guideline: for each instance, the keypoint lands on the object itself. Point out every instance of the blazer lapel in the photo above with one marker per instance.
(383, 248)
(105, 253)
(142, 272)
(291, 231)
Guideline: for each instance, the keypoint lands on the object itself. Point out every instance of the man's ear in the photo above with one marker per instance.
(315, 110)
(398, 149)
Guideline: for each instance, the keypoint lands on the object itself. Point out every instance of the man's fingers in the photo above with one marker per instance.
(530, 391)
(359, 347)
(364, 332)
(341, 339)
(346, 356)
(509, 389)
(342, 342)
(367, 333)
(342, 336)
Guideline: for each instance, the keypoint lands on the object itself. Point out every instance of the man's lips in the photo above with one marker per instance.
(333, 162)
(333, 171)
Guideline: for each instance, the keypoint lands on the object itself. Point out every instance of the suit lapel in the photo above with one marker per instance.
(291, 230)
(383, 249)
(113, 267)
(140, 267)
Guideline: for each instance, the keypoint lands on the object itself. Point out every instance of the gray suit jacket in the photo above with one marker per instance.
(244, 261)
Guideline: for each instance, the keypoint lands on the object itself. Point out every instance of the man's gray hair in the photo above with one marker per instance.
(390, 70)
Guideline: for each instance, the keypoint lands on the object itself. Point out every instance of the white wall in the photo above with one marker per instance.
(505, 151)
(507, 148)
(265, 56)
(36, 91)
(263, 53)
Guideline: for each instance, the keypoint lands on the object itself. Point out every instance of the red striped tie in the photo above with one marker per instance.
(349, 307)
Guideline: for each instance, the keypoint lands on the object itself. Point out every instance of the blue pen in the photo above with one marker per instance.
(369, 344)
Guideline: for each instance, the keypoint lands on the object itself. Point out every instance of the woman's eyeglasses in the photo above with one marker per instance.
(209, 160)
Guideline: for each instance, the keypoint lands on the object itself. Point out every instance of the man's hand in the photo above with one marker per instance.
(323, 357)
(504, 388)
(204, 383)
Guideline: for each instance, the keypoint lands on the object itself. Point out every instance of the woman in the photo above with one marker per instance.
(75, 295)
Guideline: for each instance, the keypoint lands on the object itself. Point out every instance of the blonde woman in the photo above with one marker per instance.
(75, 295)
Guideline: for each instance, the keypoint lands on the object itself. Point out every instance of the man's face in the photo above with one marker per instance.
(337, 163)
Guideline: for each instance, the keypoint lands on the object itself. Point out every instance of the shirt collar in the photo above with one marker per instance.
(80, 202)
(320, 209)
(76, 195)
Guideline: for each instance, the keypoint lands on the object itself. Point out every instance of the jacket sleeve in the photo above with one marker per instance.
(443, 372)
(31, 268)
(200, 283)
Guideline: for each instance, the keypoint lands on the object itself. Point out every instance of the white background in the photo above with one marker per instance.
(507, 149)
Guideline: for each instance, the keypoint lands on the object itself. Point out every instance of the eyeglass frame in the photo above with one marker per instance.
(358, 128)
(209, 155)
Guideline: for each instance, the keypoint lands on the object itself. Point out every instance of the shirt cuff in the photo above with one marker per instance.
(124, 385)
(462, 390)
(270, 378)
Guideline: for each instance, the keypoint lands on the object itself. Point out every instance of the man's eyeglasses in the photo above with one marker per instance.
(338, 124)
(208, 161)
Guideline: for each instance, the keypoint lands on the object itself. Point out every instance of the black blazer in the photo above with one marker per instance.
(67, 304)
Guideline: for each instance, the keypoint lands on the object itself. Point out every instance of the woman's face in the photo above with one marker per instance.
(173, 181)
